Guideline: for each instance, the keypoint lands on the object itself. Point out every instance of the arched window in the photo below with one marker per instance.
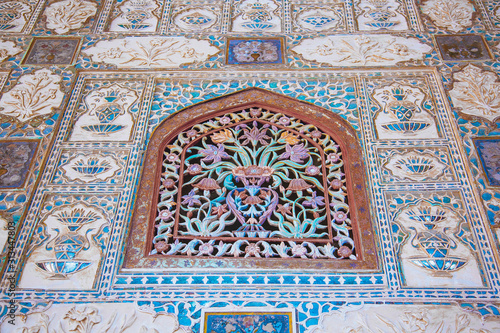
(252, 180)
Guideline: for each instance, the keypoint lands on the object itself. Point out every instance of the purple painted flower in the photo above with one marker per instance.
(215, 154)
(194, 169)
(296, 153)
(315, 201)
(255, 135)
(191, 199)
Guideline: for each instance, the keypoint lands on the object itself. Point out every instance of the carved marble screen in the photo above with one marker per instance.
(267, 182)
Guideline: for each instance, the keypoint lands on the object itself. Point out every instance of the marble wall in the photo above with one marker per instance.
(85, 84)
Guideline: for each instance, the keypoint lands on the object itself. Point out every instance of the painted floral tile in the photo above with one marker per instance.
(248, 322)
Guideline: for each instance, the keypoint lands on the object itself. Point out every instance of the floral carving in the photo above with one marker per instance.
(404, 319)
(34, 95)
(151, 52)
(476, 92)
(366, 50)
(67, 15)
(94, 318)
(453, 15)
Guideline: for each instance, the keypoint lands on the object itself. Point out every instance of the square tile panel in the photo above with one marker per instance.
(249, 51)
(488, 150)
(462, 47)
(15, 162)
(52, 51)
(222, 321)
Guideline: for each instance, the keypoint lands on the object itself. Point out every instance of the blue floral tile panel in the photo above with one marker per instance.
(245, 51)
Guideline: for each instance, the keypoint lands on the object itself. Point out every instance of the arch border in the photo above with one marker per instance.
(136, 255)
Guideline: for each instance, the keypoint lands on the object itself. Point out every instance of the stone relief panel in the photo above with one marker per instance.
(196, 17)
(433, 240)
(107, 113)
(66, 16)
(362, 50)
(450, 15)
(91, 167)
(423, 165)
(68, 244)
(322, 17)
(151, 52)
(256, 16)
(476, 92)
(403, 318)
(404, 112)
(35, 95)
(95, 317)
(381, 15)
(8, 49)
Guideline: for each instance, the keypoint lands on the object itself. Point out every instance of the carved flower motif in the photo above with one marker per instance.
(215, 154)
(417, 319)
(255, 135)
(165, 214)
(219, 210)
(344, 251)
(336, 184)
(82, 320)
(168, 183)
(315, 201)
(285, 121)
(312, 170)
(191, 199)
(339, 216)
(299, 250)
(172, 158)
(289, 138)
(252, 249)
(207, 184)
(191, 133)
(161, 246)
(222, 136)
(225, 120)
(298, 184)
(255, 112)
(206, 248)
(333, 158)
(194, 169)
(316, 134)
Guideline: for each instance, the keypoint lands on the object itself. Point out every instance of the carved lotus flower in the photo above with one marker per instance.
(298, 184)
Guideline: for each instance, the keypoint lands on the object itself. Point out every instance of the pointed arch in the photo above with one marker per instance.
(252, 180)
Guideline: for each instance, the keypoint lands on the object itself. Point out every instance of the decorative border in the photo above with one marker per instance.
(143, 221)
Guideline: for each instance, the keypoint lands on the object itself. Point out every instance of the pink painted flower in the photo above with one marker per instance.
(285, 121)
(295, 153)
(206, 248)
(168, 183)
(215, 154)
(171, 158)
(299, 250)
(191, 133)
(194, 169)
(333, 158)
(339, 216)
(225, 120)
(316, 134)
(165, 214)
(312, 170)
